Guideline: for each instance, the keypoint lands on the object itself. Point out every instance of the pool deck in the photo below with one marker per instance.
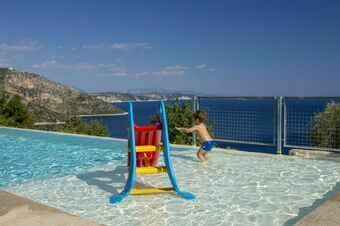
(326, 214)
(19, 211)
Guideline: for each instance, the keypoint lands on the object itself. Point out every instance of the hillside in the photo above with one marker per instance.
(49, 101)
(111, 97)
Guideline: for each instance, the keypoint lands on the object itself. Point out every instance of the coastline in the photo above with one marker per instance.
(103, 115)
(127, 101)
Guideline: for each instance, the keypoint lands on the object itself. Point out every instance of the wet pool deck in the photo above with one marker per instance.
(327, 213)
(19, 211)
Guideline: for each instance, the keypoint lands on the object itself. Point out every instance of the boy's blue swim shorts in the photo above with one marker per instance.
(208, 145)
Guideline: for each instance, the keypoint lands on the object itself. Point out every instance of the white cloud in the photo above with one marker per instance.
(120, 71)
(20, 47)
(70, 67)
(175, 70)
(116, 69)
(143, 73)
(201, 66)
(16, 51)
(106, 65)
(94, 47)
(212, 69)
(101, 75)
(46, 64)
(130, 46)
(175, 67)
(169, 72)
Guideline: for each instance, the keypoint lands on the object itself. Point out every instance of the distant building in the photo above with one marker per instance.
(11, 69)
(184, 98)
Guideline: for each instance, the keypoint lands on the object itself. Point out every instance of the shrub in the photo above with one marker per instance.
(179, 116)
(14, 113)
(326, 127)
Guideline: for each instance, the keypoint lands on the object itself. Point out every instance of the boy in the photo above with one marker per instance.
(203, 135)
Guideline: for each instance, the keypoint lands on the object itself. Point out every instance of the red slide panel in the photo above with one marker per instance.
(147, 135)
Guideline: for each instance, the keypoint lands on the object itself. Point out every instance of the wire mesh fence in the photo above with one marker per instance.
(248, 120)
(312, 122)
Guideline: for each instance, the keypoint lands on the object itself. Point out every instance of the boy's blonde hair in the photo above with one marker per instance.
(200, 116)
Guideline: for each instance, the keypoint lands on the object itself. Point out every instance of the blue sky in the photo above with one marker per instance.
(239, 47)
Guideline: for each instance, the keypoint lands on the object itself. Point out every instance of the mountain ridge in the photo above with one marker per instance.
(48, 100)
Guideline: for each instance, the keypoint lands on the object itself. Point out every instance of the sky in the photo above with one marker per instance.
(239, 47)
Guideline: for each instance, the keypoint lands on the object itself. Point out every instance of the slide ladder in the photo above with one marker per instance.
(145, 143)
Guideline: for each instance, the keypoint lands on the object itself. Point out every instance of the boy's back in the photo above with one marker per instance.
(203, 133)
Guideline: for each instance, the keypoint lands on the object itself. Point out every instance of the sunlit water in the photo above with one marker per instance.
(79, 174)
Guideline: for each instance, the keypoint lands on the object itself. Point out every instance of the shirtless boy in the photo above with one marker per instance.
(203, 135)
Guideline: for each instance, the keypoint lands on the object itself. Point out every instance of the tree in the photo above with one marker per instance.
(179, 115)
(326, 127)
(14, 113)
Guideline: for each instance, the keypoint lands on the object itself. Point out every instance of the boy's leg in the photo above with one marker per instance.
(200, 155)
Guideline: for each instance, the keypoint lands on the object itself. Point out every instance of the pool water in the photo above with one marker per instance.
(79, 174)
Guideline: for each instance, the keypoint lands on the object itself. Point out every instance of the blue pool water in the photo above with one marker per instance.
(78, 174)
(26, 155)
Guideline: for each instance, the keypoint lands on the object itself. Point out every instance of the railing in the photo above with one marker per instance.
(250, 120)
(281, 122)
(307, 126)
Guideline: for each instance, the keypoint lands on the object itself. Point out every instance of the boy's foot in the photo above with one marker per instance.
(200, 155)
(202, 159)
(206, 155)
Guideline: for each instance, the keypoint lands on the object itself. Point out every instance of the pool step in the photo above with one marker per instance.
(147, 191)
(151, 170)
(148, 148)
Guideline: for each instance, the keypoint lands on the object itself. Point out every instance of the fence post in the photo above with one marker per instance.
(279, 126)
(194, 109)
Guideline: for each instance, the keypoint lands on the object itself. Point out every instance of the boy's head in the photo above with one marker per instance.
(199, 116)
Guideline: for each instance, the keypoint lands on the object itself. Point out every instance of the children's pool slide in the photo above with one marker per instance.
(144, 146)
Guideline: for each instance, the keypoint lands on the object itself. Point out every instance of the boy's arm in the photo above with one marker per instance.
(187, 130)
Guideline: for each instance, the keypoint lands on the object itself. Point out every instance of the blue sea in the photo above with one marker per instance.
(238, 121)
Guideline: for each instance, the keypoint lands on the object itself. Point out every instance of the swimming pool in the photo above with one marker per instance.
(78, 175)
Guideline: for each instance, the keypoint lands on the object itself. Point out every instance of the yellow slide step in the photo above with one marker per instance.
(147, 191)
(151, 170)
(148, 148)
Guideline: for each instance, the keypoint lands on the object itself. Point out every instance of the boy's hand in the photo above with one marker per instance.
(179, 129)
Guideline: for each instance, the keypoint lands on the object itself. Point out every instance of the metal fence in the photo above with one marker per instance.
(249, 120)
(311, 123)
(281, 122)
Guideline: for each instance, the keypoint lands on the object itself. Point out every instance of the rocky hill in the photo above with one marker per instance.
(48, 100)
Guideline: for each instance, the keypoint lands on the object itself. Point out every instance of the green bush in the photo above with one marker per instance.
(179, 116)
(76, 125)
(326, 127)
(14, 113)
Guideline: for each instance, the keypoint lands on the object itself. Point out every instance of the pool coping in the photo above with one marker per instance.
(61, 133)
(328, 213)
(16, 210)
